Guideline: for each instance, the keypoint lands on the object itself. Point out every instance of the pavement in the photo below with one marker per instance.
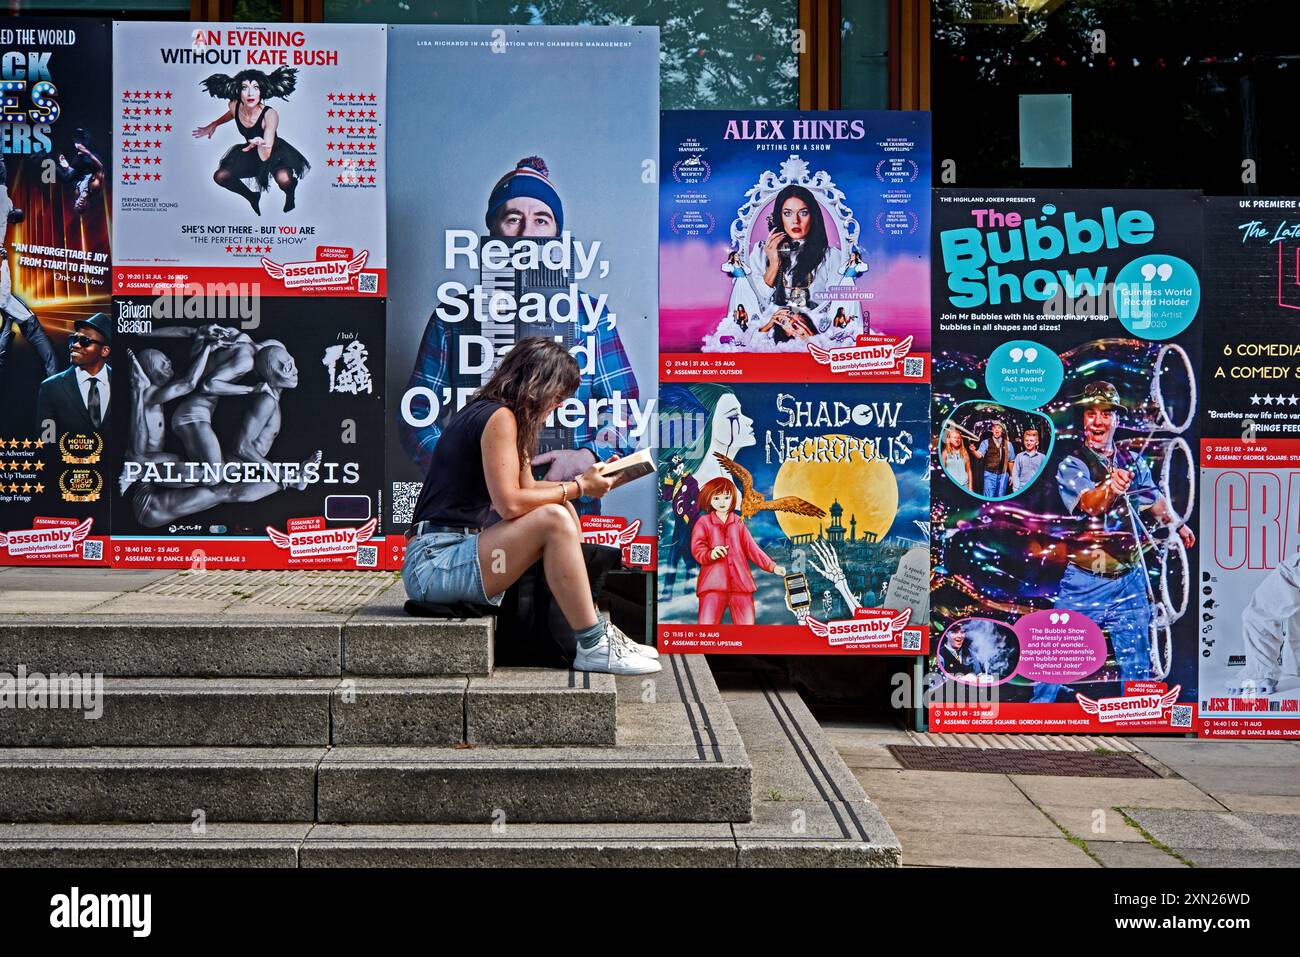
(1214, 804)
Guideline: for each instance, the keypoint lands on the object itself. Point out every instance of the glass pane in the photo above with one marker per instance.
(864, 55)
(1166, 93)
(736, 54)
(258, 11)
(122, 9)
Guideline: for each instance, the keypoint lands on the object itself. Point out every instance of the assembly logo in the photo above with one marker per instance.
(314, 540)
(879, 356)
(315, 273)
(1134, 707)
(617, 537)
(869, 626)
(54, 540)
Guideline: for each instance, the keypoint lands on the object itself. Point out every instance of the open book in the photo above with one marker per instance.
(629, 467)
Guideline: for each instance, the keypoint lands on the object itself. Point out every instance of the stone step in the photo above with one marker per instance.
(379, 639)
(151, 845)
(514, 706)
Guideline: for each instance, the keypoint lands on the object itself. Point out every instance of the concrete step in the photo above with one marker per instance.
(513, 706)
(379, 639)
(105, 785)
(151, 845)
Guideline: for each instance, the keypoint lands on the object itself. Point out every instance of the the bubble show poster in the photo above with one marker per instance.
(1249, 589)
(56, 184)
(527, 208)
(794, 247)
(250, 153)
(250, 441)
(793, 518)
(1067, 350)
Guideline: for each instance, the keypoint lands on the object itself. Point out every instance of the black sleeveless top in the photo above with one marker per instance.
(455, 491)
(257, 129)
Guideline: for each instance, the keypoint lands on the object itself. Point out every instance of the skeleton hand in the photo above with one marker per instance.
(831, 570)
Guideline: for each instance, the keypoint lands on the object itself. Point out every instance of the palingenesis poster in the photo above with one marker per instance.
(56, 337)
(521, 225)
(1066, 394)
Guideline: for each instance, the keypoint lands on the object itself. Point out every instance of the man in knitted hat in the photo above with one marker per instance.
(1105, 487)
(525, 203)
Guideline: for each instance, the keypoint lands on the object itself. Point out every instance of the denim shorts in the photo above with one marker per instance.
(442, 567)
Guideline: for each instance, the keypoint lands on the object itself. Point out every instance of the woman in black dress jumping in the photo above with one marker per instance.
(264, 153)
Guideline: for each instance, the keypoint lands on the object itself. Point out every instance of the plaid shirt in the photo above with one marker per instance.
(613, 373)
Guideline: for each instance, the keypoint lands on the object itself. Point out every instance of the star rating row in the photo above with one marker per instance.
(141, 177)
(351, 130)
(130, 128)
(248, 249)
(22, 443)
(141, 144)
(142, 160)
(17, 466)
(147, 95)
(352, 114)
(25, 487)
(1275, 400)
(350, 163)
(145, 111)
(350, 97)
(356, 180)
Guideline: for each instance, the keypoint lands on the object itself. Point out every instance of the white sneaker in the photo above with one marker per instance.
(645, 651)
(612, 657)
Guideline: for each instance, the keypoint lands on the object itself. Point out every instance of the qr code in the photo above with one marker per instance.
(911, 640)
(1180, 716)
(92, 551)
(368, 282)
(405, 495)
(367, 556)
(913, 367)
(638, 553)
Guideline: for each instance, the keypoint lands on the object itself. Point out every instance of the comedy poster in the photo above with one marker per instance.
(56, 183)
(1065, 546)
(249, 154)
(252, 440)
(1249, 590)
(527, 209)
(793, 518)
(794, 247)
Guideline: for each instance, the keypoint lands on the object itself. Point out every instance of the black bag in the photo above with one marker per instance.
(531, 629)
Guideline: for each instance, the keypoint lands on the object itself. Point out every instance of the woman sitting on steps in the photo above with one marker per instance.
(482, 464)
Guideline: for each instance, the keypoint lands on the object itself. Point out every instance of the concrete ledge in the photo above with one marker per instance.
(519, 845)
(150, 845)
(541, 707)
(102, 785)
(183, 712)
(382, 640)
(398, 711)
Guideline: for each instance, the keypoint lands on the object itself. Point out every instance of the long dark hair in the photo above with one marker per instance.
(813, 250)
(532, 374)
(280, 82)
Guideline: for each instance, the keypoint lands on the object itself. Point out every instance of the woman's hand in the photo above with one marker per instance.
(593, 482)
(719, 551)
(205, 130)
(254, 143)
(779, 570)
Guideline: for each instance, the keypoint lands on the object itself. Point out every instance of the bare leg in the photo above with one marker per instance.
(550, 531)
(201, 444)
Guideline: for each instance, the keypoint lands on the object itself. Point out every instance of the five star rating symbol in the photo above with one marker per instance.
(1267, 399)
(355, 140)
(136, 151)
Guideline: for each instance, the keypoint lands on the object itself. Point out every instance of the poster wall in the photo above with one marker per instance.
(794, 352)
(1067, 351)
(540, 221)
(248, 445)
(251, 154)
(1249, 591)
(56, 186)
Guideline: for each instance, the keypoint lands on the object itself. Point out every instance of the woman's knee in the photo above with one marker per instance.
(555, 518)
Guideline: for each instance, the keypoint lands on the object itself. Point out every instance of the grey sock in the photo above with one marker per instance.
(590, 637)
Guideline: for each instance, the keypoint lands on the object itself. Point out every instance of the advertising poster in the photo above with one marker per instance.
(56, 186)
(1067, 350)
(249, 153)
(1249, 589)
(793, 518)
(794, 247)
(527, 209)
(248, 442)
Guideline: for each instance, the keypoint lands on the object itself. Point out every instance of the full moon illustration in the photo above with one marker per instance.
(868, 491)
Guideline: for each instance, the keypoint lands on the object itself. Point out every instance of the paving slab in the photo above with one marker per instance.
(1268, 803)
(151, 845)
(1095, 825)
(961, 817)
(884, 784)
(1045, 790)
(1180, 753)
(818, 834)
(1220, 857)
(926, 848)
(1184, 830)
(1144, 855)
(1244, 779)
(145, 603)
(520, 845)
(867, 756)
(80, 579)
(25, 603)
(104, 785)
